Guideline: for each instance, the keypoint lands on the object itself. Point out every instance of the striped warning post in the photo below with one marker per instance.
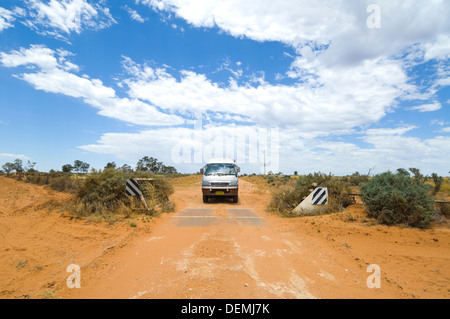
(320, 196)
(132, 188)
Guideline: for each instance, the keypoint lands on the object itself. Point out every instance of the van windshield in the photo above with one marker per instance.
(220, 169)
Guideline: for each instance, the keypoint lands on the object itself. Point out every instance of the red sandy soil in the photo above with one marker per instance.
(270, 257)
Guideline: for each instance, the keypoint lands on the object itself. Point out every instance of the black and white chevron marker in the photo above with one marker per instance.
(320, 196)
(132, 188)
(316, 200)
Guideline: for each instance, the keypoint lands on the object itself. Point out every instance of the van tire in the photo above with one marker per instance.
(235, 198)
(205, 199)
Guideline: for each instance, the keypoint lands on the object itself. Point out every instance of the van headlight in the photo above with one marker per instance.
(234, 183)
(206, 183)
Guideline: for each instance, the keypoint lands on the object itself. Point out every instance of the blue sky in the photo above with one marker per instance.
(330, 86)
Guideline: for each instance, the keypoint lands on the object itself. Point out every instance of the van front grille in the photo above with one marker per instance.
(220, 184)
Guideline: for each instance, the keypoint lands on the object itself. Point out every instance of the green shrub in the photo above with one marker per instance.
(398, 199)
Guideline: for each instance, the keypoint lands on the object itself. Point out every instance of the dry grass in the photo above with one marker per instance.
(286, 196)
(102, 196)
(187, 180)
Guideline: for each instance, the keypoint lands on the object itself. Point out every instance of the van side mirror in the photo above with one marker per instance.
(238, 169)
(202, 171)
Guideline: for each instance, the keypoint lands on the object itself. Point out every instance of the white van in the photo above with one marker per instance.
(220, 179)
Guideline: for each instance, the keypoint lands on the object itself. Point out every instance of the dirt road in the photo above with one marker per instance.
(214, 250)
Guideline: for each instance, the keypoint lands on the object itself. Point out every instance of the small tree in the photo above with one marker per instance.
(168, 170)
(30, 167)
(18, 166)
(80, 166)
(438, 181)
(150, 164)
(403, 172)
(126, 168)
(111, 165)
(418, 177)
(77, 165)
(67, 168)
(84, 167)
(8, 167)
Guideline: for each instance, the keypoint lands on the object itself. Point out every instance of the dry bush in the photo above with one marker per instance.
(62, 182)
(285, 199)
(103, 194)
(338, 197)
(443, 209)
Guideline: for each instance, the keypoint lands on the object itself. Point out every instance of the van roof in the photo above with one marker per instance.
(221, 160)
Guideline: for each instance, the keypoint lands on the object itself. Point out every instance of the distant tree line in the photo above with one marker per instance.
(77, 167)
(145, 164)
(18, 167)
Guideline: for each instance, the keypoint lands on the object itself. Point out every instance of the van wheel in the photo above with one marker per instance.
(235, 199)
(205, 199)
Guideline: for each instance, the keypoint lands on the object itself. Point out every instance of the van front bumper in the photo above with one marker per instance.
(219, 191)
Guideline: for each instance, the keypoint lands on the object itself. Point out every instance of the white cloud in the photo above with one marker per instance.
(337, 100)
(440, 49)
(390, 153)
(134, 15)
(51, 72)
(6, 19)
(446, 130)
(13, 156)
(427, 107)
(437, 122)
(131, 146)
(272, 21)
(338, 23)
(349, 76)
(389, 131)
(186, 146)
(60, 18)
(38, 56)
